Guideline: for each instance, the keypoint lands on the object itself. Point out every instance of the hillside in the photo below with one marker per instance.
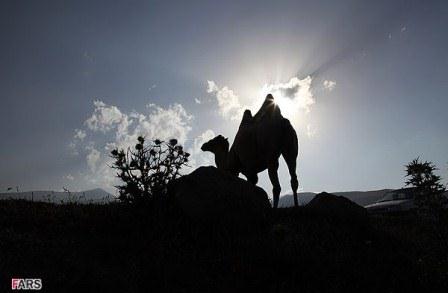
(97, 195)
(361, 198)
(116, 248)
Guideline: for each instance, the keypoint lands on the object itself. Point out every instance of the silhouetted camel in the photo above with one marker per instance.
(258, 144)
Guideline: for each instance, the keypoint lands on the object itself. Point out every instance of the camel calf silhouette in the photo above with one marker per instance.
(258, 144)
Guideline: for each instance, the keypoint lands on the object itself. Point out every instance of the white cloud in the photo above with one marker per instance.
(201, 139)
(79, 134)
(73, 147)
(228, 102)
(329, 85)
(197, 101)
(78, 137)
(293, 95)
(104, 117)
(211, 86)
(200, 158)
(69, 177)
(152, 87)
(121, 130)
(93, 158)
(165, 123)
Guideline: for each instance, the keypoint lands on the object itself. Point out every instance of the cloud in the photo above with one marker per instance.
(292, 95)
(73, 147)
(329, 85)
(79, 134)
(152, 87)
(200, 158)
(197, 101)
(228, 102)
(165, 123)
(201, 139)
(104, 117)
(69, 177)
(78, 137)
(92, 158)
(211, 87)
(119, 129)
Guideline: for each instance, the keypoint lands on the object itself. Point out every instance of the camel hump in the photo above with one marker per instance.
(269, 98)
(247, 119)
(267, 109)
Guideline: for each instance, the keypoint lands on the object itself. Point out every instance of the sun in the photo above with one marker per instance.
(288, 107)
(294, 98)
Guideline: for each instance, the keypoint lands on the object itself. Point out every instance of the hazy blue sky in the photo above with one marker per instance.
(79, 77)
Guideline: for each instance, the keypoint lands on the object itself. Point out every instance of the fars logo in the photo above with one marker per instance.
(26, 284)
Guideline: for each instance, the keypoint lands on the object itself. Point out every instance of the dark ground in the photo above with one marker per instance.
(116, 248)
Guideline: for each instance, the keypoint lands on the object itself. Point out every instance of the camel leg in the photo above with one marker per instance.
(273, 176)
(290, 151)
(294, 182)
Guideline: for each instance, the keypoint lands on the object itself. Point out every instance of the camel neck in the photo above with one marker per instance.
(221, 159)
(225, 160)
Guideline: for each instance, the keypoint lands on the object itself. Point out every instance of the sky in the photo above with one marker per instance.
(364, 83)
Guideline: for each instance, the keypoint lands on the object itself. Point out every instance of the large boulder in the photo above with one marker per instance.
(337, 206)
(209, 194)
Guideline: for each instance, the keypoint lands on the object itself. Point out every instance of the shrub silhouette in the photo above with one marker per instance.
(147, 170)
(429, 191)
(430, 199)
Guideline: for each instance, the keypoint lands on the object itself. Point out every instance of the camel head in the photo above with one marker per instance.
(216, 144)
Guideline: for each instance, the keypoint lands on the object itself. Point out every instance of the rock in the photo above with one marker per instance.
(337, 206)
(210, 194)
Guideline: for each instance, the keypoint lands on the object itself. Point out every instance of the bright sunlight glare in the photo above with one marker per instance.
(292, 97)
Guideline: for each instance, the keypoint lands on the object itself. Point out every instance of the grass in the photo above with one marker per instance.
(118, 248)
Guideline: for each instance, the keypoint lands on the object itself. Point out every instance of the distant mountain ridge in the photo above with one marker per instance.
(99, 196)
(96, 195)
(361, 198)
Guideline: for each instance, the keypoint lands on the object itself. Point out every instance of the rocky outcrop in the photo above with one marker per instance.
(212, 194)
(337, 207)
